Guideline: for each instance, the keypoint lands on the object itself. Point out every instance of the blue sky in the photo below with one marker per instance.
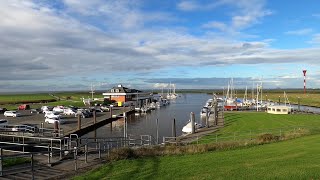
(51, 45)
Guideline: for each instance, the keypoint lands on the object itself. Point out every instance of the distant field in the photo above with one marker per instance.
(244, 125)
(11, 101)
(293, 159)
(25, 98)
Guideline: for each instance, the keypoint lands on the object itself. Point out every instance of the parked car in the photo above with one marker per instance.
(52, 120)
(69, 111)
(46, 108)
(97, 109)
(105, 108)
(11, 114)
(2, 110)
(31, 128)
(58, 109)
(52, 114)
(84, 113)
(3, 122)
(35, 111)
(24, 107)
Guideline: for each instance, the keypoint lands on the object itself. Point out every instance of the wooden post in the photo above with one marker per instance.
(94, 116)
(192, 118)
(207, 118)
(174, 133)
(110, 112)
(157, 122)
(56, 128)
(1, 165)
(32, 169)
(75, 159)
(124, 125)
(79, 121)
(86, 153)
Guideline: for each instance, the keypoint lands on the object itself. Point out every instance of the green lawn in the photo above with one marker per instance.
(21, 98)
(293, 159)
(246, 124)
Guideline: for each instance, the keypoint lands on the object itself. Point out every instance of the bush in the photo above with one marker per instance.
(122, 153)
(265, 138)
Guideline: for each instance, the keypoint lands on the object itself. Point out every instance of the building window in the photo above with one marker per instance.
(112, 90)
(278, 110)
(117, 90)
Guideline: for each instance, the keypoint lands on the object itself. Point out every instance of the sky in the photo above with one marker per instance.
(56, 45)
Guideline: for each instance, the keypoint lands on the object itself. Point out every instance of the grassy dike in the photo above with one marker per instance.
(292, 159)
(241, 124)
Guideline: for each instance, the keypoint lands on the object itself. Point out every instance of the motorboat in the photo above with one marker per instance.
(206, 108)
(188, 128)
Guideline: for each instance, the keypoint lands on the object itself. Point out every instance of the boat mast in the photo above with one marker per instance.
(245, 95)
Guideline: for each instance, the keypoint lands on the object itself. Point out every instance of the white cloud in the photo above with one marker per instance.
(315, 39)
(217, 25)
(188, 6)
(300, 32)
(38, 42)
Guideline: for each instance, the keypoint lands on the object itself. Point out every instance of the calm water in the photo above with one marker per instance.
(145, 124)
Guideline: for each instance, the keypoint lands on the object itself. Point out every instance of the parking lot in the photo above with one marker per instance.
(71, 122)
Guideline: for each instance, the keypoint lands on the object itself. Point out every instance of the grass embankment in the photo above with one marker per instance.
(25, 98)
(242, 125)
(37, 100)
(293, 159)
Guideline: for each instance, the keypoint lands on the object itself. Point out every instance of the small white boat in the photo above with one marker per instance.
(188, 128)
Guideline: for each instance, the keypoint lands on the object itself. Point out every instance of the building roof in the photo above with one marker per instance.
(121, 89)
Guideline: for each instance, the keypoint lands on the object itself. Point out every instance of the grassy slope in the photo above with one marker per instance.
(294, 159)
(245, 121)
(241, 123)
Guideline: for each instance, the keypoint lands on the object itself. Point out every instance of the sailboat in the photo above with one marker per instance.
(172, 93)
(230, 102)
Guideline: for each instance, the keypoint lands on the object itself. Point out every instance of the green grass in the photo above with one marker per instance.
(15, 161)
(24, 98)
(245, 124)
(293, 159)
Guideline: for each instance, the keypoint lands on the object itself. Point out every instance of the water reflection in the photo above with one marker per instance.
(145, 124)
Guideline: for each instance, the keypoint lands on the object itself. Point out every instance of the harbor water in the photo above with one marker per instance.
(146, 124)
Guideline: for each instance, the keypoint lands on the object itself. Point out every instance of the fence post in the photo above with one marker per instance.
(192, 119)
(1, 168)
(157, 131)
(86, 153)
(49, 161)
(75, 158)
(94, 116)
(174, 133)
(79, 121)
(99, 151)
(32, 164)
(23, 144)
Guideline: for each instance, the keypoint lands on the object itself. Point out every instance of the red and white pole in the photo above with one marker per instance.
(304, 80)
